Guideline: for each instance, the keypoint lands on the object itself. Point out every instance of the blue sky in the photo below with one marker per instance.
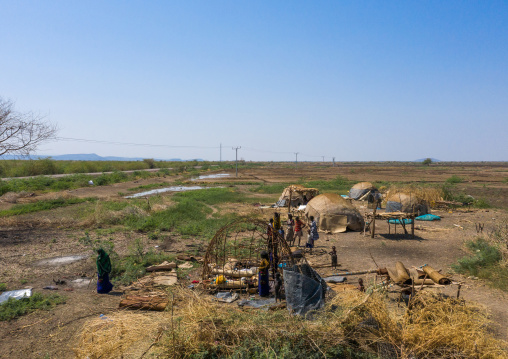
(356, 80)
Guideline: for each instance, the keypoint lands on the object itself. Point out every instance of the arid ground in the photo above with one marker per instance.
(27, 239)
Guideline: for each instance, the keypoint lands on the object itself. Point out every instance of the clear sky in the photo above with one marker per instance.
(357, 80)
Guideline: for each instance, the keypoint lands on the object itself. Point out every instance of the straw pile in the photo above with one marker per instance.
(352, 321)
(120, 335)
(432, 328)
(448, 328)
(422, 194)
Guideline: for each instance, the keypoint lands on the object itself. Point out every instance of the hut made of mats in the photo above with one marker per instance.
(297, 195)
(406, 201)
(334, 214)
(361, 191)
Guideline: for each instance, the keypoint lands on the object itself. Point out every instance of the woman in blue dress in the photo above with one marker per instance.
(103, 270)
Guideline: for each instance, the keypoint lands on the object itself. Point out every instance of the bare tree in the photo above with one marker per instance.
(22, 133)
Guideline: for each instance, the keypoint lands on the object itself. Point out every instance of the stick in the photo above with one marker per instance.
(373, 259)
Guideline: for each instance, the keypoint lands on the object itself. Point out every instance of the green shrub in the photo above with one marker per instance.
(454, 179)
(484, 262)
(3, 287)
(484, 255)
(269, 188)
(15, 308)
(481, 203)
(191, 215)
(339, 184)
(44, 205)
(128, 269)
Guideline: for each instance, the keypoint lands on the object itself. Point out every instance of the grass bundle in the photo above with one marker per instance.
(448, 328)
(119, 335)
(352, 325)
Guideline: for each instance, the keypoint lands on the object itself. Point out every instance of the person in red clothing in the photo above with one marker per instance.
(269, 229)
(299, 225)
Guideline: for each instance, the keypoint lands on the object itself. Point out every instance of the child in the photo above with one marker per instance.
(290, 236)
(360, 287)
(333, 254)
(310, 240)
(269, 229)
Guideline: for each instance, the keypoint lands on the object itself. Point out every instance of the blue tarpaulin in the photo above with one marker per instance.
(428, 217)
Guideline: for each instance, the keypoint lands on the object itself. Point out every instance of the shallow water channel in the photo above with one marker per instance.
(162, 190)
(58, 261)
(215, 175)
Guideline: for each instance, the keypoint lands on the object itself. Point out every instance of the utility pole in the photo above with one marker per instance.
(236, 160)
(323, 158)
(296, 161)
(220, 158)
(333, 159)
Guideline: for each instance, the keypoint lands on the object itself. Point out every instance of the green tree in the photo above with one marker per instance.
(427, 161)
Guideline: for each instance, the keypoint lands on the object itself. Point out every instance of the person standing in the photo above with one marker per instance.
(290, 234)
(103, 269)
(299, 225)
(263, 275)
(313, 229)
(333, 255)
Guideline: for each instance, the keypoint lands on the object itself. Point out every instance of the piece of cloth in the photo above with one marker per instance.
(103, 263)
(298, 235)
(290, 235)
(298, 226)
(314, 230)
(103, 270)
(276, 223)
(428, 217)
(103, 284)
(398, 221)
(335, 279)
(263, 279)
(310, 241)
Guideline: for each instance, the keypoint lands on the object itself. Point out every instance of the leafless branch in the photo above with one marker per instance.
(22, 133)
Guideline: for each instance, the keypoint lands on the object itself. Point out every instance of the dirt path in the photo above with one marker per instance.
(439, 244)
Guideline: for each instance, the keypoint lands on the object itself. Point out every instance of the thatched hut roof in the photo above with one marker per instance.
(334, 214)
(361, 190)
(297, 193)
(406, 202)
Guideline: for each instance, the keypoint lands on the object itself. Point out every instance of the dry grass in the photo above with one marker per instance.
(448, 328)
(123, 334)
(433, 328)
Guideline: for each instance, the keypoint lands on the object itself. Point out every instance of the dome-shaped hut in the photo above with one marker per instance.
(408, 202)
(297, 195)
(334, 214)
(360, 191)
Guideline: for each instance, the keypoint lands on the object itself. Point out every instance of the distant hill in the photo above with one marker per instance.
(87, 157)
(423, 159)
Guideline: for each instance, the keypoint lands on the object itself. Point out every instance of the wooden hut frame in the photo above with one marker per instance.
(244, 240)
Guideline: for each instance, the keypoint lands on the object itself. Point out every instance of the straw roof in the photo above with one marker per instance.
(364, 185)
(334, 214)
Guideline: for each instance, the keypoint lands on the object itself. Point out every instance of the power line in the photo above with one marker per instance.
(130, 143)
(118, 143)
